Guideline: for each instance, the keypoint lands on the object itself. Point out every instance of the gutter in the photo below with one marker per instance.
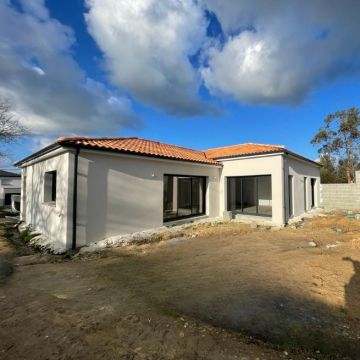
(74, 222)
(37, 154)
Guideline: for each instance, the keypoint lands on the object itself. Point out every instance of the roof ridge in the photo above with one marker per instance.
(247, 143)
(251, 143)
(64, 138)
(178, 146)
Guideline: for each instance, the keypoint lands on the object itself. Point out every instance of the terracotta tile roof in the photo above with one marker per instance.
(133, 145)
(241, 150)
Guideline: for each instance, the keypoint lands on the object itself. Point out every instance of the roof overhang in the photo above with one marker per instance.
(270, 153)
(55, 146)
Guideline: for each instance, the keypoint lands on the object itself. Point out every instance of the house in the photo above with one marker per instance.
(81, 190)
(10, 184)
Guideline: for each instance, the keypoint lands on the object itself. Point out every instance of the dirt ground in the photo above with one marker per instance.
(223, 291)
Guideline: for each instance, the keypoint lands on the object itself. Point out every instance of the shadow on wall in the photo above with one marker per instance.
(96, 212)
(116, 198)
(47, 219)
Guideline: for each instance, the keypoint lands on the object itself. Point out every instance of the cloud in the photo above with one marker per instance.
(147, 45)
(47, 88)
(280, 51)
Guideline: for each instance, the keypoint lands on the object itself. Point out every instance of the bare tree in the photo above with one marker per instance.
(10, 127)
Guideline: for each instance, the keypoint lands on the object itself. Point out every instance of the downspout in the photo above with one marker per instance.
(76, 162)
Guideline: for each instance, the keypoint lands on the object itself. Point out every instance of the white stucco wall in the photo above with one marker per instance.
(300, 169)
(120, 194)
(51, 220)
(9, 185)
(257, 165)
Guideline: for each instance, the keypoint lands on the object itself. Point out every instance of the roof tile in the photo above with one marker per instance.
(135, 145)
(241, 150)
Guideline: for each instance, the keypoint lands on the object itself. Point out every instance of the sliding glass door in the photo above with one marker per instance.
(184, 196)
(250, 195)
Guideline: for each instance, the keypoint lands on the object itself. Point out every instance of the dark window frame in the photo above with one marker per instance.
(7, 198)
(305, 194)
(256, 190)
(204, 183)
(52, 198)
(312, 185)
(291, 195)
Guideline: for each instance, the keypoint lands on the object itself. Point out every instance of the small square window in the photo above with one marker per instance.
(50, 186)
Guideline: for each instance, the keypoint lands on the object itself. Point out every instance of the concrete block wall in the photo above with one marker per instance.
(341, 196)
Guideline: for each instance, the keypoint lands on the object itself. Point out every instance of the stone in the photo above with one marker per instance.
(228, 215)
(276, 228)
(312, 244)
(253, 225)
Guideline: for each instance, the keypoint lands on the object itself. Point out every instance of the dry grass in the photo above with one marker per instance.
(163, 298)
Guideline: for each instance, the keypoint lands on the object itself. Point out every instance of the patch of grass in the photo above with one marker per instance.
(26, 236)
(343, 310)
(168, 311)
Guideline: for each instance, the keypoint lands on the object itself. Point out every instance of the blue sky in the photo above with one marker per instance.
(201, 74)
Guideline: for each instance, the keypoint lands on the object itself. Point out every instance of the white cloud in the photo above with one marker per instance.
(280, 51)
(47, 88)
(147, 44)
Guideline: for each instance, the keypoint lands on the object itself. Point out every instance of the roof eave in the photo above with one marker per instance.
(117, 151)
(291, 153)
(68, 144)
(249, 154)
(37, 154)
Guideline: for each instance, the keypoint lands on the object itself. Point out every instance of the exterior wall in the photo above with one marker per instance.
(257, 165)
(119, 194)
(300, 169)
(51, 220)
(9, 185)
(341, 196)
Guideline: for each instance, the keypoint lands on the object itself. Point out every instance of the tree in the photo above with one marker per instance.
(10, 127)
(340, 137)
(328, 173)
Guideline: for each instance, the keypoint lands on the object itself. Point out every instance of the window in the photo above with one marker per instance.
(7, 201)
(184, 196)
(290, 190)
(250, 195)
(313, 183)
(50, 186)
(305, 194)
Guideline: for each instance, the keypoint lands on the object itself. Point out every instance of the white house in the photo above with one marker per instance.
(10, 184)
(81, 190)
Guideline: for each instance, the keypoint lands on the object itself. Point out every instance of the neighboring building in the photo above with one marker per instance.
(81, 190)
(10, 184)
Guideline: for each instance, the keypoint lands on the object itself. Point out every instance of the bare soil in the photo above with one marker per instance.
(222, 291)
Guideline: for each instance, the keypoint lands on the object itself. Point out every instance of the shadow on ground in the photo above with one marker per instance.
(273, 314)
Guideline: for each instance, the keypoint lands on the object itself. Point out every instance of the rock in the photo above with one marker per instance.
(276, 228)
(312, 244)
(329, 246)
(253, 225)
(228, 215)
